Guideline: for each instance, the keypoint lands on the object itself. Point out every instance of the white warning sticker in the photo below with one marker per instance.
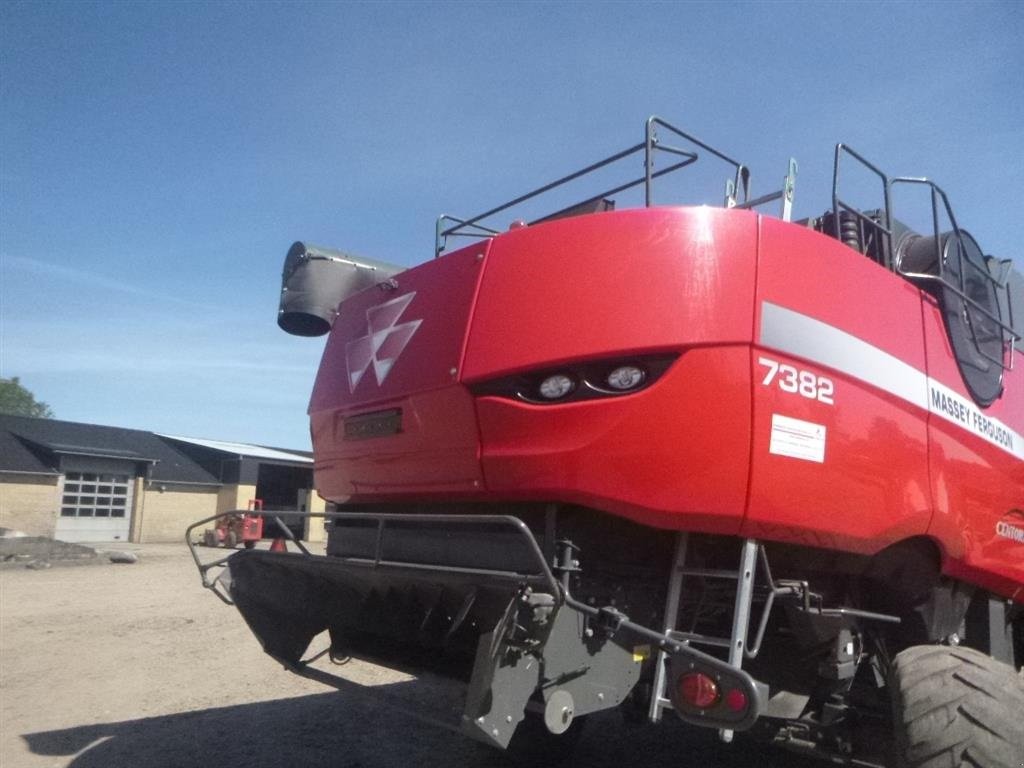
(797, 439)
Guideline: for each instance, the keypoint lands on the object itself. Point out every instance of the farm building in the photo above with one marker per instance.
(86, 482)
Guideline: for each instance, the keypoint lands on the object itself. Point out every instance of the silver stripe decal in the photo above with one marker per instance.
(804, 336)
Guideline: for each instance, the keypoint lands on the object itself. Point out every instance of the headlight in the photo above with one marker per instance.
(580, 381)
(625, 377)
(556, 387)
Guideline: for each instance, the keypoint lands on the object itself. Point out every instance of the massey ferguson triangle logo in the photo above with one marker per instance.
(384, 342)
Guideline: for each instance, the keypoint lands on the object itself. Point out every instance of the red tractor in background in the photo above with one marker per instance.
(767, 474)
(238, 527)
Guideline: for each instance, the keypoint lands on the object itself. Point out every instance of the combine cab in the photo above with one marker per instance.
(765, 474)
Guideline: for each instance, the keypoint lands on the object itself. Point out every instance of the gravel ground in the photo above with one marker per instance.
(107, 665)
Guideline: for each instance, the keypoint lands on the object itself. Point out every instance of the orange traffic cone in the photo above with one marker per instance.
(278, 545)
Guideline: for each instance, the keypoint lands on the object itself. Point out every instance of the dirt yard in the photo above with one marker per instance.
(103, 666)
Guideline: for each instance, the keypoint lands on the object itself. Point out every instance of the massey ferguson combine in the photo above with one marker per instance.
(766, 475)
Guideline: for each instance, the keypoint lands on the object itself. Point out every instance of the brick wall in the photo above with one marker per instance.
(166, 514)
(29, 503)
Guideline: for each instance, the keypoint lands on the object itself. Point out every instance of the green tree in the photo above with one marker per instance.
(18, 401)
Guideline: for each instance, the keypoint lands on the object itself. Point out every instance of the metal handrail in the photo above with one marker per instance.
(884, 228)
(936, 192)
(651, 144)
(543, 571)
(741, 180)
(205, 568)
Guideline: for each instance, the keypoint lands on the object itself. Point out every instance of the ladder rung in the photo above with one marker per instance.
(710, 573)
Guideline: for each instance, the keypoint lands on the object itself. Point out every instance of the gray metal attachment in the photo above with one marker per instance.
(315, 280)
(786, 195)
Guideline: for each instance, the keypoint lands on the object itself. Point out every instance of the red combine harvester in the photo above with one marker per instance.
(766, 474)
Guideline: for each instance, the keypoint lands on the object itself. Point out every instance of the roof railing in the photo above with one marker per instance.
(736, 196)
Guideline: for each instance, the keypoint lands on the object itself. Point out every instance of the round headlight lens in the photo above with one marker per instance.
(557, 386)
(626, 377)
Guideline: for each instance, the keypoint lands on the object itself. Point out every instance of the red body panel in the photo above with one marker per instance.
(655, 457)
(437, 450)
(837, 449)
(594, 286)
(597, 287)
(872, 487)
(974, 484)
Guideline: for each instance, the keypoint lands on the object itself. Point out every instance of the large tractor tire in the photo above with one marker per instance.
(956, 707)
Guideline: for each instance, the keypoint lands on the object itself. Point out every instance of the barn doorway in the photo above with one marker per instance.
(283, 488)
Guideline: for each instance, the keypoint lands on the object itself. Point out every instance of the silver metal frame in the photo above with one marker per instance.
(786, 194)
(675, 588)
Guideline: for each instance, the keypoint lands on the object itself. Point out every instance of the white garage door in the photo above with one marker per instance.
(95, 506)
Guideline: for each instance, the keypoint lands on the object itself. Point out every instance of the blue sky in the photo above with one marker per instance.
(157, 160)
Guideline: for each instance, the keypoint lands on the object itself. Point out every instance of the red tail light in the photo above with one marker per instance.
(698, 690)
(736, 700)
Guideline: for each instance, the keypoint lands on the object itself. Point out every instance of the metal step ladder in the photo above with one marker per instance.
(736, 643)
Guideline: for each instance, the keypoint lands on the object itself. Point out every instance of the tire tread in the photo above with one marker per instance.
(956, 708)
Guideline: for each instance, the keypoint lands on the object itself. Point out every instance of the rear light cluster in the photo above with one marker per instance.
(581, 381)
(700, 691)
(709, 698)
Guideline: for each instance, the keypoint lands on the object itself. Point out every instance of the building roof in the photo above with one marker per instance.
(247, 450)
(17, 455)
(34, 445)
